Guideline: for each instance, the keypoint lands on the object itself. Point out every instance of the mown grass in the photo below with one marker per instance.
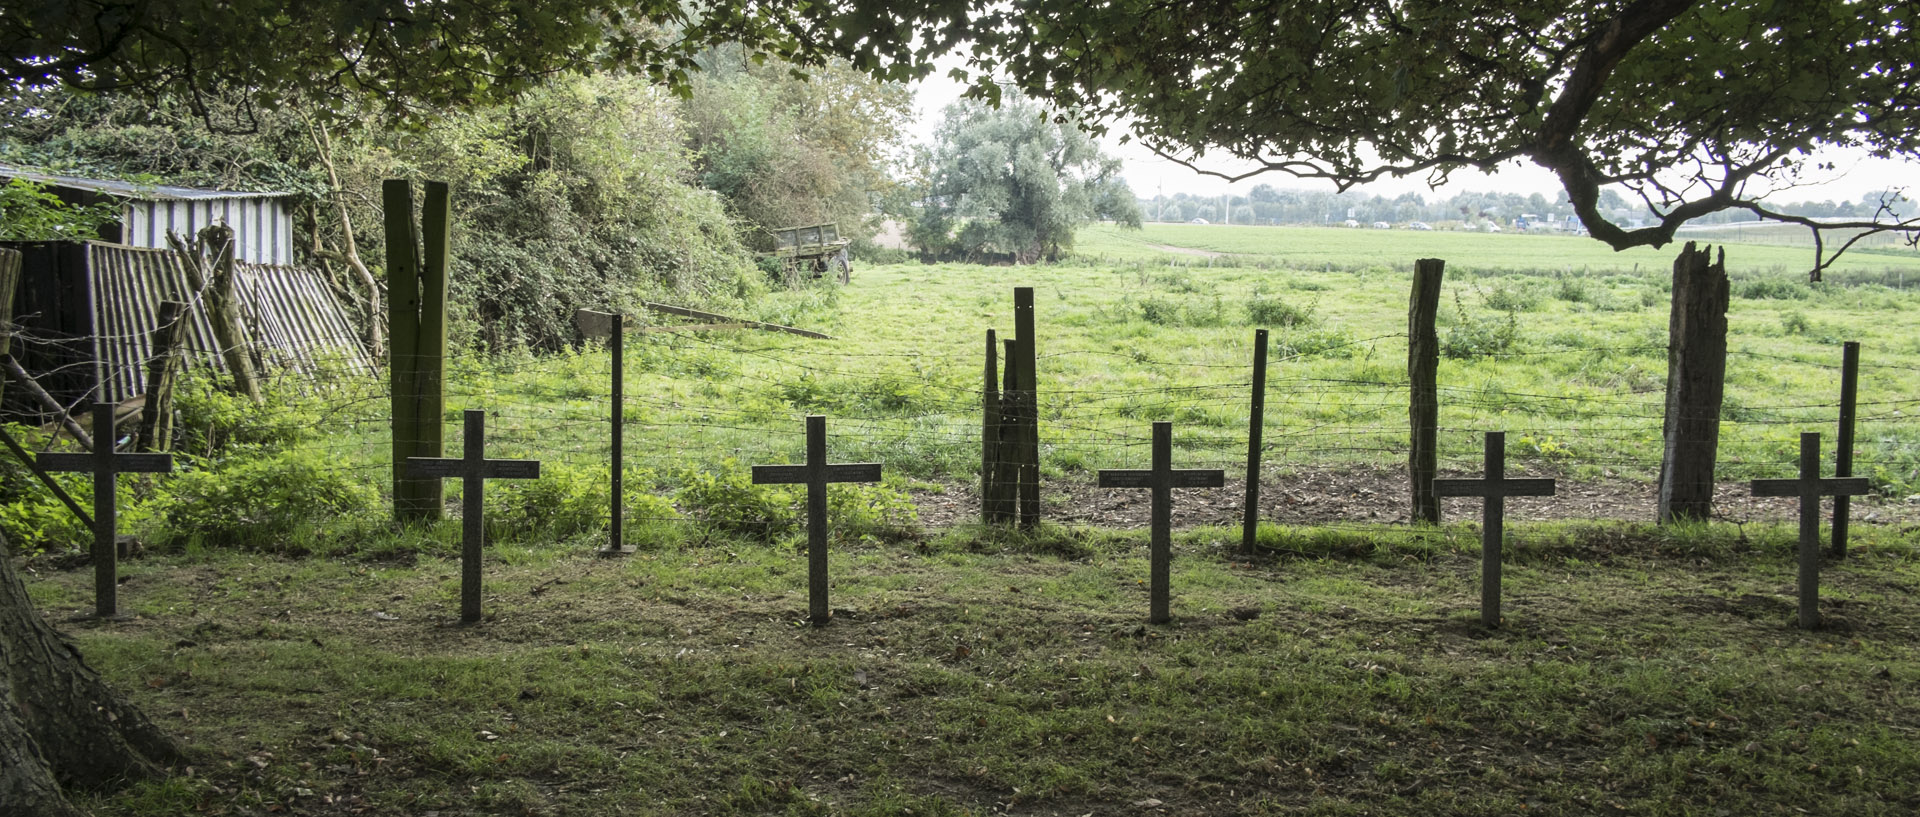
(1640, 671)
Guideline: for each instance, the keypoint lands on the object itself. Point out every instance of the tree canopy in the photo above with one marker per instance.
(1694, 106)
(1013, 182)
(414, 56)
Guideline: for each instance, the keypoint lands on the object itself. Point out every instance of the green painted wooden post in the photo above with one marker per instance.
(416, 329)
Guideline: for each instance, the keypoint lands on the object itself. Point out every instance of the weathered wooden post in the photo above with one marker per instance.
(156, 417)
(1011, 450)
(1696, 382)
(1809, 488)
(1494, 488)
(106, 466)
(1162, 478)
(1843, 453)
(816, 474)
(1029, 398)
(473, 469)
(1256, 424)
(990, 420)
(1423, 375)
(417, 313)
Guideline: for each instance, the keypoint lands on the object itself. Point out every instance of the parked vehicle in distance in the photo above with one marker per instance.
(1198, 221)
(1418, 225)
(1381, 225)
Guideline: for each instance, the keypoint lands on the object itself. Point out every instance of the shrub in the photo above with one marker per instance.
(1774, 289)
(565, 501)
(1264, 311)
(259, 502)
(1470, 336)
(1506, 296)
(727, 501)
(871, 512)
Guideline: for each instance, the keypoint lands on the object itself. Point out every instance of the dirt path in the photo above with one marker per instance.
(1321, 497)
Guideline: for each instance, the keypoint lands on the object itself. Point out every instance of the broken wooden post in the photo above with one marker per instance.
(473, 469)
(1256, 423)
(1843, 448)
(417, 311)
(1810, 488)
(1494, 488)
(209, 265)
(1423, 367)
(1029, 390)
(1005, 501)
(105, 465)
(1696, 382)
(617, 352)
(990, 420)
(816, 474)
(156, 417)
(1161, 478)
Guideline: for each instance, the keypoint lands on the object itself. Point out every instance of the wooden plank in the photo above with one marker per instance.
(445, 467)
(1493, 488)
(122, 463)
(1190, 478)
(669, 309)
(797, 474)
(1840, 486)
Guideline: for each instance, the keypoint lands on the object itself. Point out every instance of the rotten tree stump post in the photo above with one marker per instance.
(105, 465)
(473, 470)
(1162, 478)
(816, 474)
(1494, 488)
(1809, 488)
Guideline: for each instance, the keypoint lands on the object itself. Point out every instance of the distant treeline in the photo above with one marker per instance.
(1267, 204)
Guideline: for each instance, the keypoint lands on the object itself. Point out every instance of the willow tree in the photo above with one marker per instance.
(1695, 107)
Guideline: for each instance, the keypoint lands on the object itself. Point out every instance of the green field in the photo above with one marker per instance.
(301, 646)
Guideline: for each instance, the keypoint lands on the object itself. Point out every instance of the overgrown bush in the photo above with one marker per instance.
(1473, 336)
(726, 500)
(871, 512)
(264, 502)
(565, 501)
(1771, 289)
(1265, 311)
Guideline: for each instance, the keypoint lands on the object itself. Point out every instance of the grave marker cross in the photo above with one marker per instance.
(816, 474)
(1494, 488)
(1810, 488)
(1162, 478)
(473, 469)
(105, 465)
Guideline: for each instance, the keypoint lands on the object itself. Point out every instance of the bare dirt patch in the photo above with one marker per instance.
(1333, 496)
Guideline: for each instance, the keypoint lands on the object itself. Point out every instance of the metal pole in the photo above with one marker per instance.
(1256, 422)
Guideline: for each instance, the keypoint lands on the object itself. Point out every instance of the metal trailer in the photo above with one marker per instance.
(813, 250)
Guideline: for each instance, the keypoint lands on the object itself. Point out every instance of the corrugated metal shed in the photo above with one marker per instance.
(262, 222)
(293, 320)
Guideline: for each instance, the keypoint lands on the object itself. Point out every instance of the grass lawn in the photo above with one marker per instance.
(1639, 672)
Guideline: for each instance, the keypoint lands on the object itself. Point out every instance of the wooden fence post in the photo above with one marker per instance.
(210, 270)
(1256, 423)
(1029, 389)
(1008, 450)
(1843, 455)
(156, 417)
(990, 421)
(416, 330)
(1696, 382)
(1423, 367)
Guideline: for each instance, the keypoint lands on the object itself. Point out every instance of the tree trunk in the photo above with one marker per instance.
(1696, 382)
(60, 725)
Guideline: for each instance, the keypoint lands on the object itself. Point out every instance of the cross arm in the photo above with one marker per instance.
(797, 474)
(1839, 486)
(1183, 478)
(1492, 488)
(448, 467)
(122, 463)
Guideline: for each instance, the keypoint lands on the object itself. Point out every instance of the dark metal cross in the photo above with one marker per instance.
(1162, 478)
(815, 474)
(1810, 488)
(1495, 488)
(473, 469)
(105, 465)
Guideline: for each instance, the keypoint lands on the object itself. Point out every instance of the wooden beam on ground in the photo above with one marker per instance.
(669, 309)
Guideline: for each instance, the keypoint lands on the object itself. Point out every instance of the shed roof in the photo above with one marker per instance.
(133, 190)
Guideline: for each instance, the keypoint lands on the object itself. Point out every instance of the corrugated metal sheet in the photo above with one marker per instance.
(262, 222)
(294, 321)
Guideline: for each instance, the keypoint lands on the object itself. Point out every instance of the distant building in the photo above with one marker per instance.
(262, 222)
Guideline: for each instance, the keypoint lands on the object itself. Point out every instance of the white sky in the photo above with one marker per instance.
(1856, 173)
